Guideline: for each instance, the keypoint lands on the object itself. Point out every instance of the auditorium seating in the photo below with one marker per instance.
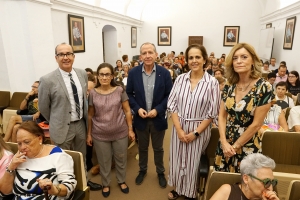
(14, 105)
(283, 147)
(82, 191)
(4, 103)
(293, 190)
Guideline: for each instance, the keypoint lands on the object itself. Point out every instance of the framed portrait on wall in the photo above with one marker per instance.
(164, 35)
(269, 25)
(76, 33)
(231, 35)
(133, 37)
(289, 33)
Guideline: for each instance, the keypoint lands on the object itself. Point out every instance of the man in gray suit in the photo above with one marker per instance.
(63, 102)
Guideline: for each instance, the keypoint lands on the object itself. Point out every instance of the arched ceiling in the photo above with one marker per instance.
(135, 8)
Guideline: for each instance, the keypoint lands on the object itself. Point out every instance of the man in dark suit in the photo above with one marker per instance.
(63, 102)
(148, 88)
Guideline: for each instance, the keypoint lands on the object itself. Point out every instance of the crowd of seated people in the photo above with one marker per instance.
(282, 82)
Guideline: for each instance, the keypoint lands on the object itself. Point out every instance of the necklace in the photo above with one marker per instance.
(39, 152)
(241, 88)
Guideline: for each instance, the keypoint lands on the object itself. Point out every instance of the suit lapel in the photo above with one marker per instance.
(141, 83)
(62, 83)
(157, 81)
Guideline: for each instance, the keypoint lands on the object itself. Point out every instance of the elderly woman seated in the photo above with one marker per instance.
(36, 167)
(257, 181)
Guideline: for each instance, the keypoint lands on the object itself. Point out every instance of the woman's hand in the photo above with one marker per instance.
(190, 137)
(228, 150)
(269, 195)
(18, 158)
(89, 140)
(131, 135)
(181, 136)
(46, 184)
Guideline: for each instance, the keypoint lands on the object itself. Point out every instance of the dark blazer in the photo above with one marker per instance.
(135, 91)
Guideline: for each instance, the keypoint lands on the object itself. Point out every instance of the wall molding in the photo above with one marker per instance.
(82, 9)
(283, 13)
(44, 2)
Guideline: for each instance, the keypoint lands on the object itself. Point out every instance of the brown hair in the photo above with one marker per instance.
(91, 77)
(124, 57)
(112, 71)
(33, 128)
(231, 75)
(203, 52)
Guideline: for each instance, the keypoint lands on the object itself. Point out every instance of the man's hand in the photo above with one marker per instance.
(142, 113)
(152, 113)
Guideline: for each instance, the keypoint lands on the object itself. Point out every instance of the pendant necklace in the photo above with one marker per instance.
(245, 88)
(39, 152)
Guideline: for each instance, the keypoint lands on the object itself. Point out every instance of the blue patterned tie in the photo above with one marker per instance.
(75, 93)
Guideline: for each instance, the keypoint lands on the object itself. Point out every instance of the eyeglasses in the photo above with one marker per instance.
(291, 76)
(104, 75)
(267, 182)
(62, 55)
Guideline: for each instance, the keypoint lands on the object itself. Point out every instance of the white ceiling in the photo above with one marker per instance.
(135, 8)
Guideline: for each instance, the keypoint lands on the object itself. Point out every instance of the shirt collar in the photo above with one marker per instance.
(64, 73)
(153, 70)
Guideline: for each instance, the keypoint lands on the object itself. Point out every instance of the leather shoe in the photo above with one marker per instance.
(94, 186)
(162, 181)
(106, 194)
(140, 178)
(95, 169)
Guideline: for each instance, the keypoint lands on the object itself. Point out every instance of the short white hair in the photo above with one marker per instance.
(251, 163)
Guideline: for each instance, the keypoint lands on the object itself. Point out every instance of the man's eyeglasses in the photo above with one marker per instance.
(267, 182)
(104, 75)
(62, 55)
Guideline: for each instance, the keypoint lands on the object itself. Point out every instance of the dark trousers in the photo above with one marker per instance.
(157, 138)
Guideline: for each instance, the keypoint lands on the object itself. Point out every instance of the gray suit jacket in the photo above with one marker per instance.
(54, 103)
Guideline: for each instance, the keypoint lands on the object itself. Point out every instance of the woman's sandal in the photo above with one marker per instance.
(125, 190)
(174, 194)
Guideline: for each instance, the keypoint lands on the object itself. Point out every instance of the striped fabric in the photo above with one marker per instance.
(192, 107)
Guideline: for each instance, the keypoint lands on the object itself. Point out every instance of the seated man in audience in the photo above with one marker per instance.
(271, 78)
(29, 112)
(294, 119)
(265, 68)
(273, 65)
(282, 99)
(281, 75)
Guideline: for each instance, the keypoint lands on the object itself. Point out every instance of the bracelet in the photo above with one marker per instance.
(26, 99)
(58, 189)
(239, 143)
(9, 171)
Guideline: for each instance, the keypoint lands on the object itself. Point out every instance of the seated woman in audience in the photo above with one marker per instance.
(29, 111)
(293, 84)
(265, 68)
(257, 181)
(282, 99)
(136, 63)
(5, 158)
(108, 128)
(275, 119)
(36, 167)
(294, 119)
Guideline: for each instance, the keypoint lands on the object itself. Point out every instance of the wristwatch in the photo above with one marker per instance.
(196, 133)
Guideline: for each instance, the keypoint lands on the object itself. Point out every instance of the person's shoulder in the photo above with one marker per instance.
(135, 69)
(50, 74)
(222, 193)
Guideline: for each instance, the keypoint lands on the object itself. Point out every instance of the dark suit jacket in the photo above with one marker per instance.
(54, 103)
(136, 94)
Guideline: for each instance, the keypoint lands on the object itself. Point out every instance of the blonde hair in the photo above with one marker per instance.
(232, 76)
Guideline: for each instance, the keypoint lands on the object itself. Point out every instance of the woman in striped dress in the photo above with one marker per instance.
(194, 104)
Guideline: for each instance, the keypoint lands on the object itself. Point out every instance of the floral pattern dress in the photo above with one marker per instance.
(240, 116)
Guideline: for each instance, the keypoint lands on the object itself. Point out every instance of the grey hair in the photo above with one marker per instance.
(63, 44)
(251, 163)
(154, 48)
